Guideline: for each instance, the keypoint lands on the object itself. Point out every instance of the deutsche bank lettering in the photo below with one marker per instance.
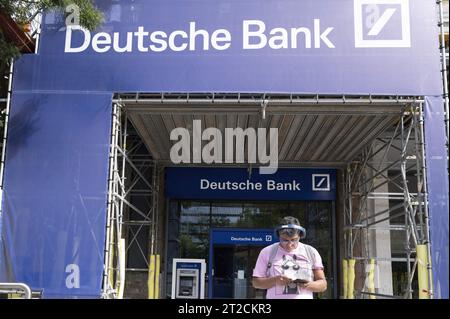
(233, 236)
(270, 185)
(254, 36)
(303, 47)
(243, 184)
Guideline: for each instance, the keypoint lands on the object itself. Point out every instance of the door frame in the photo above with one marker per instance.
(224, 237)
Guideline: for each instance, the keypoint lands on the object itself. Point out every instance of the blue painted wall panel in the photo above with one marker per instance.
(54, 206)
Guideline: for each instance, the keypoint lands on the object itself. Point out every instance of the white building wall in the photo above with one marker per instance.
(380, 235)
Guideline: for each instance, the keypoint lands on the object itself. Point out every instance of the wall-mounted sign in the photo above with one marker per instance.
(308, 46)
(245, 237)
(237, 183)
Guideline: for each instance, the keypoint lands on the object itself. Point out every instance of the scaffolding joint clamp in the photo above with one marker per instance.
(264, 104)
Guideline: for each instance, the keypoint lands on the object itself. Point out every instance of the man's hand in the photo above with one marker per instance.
(269, 282)
(318, 285)
(282, 280)
(303, 284)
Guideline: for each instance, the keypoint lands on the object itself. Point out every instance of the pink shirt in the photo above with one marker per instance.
(286, 258)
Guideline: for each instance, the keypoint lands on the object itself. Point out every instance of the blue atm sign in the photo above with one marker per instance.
(238, 184)
(246, 237)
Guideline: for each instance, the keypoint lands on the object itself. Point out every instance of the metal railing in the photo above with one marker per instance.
(15, 288)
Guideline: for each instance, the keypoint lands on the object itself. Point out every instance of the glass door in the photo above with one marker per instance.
(244, 261)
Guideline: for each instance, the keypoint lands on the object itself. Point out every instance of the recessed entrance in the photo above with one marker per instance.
(314, 132)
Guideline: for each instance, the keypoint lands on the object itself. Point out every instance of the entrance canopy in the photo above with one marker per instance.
(312, 130)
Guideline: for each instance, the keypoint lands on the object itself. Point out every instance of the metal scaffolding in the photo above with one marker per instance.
(400, 153)
(5, 132)
(397, 162)
(443, 30)
(131, 175)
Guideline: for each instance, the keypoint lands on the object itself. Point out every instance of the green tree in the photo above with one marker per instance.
(22, 12)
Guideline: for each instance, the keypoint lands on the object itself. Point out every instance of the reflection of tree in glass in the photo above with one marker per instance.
(194, 237)
(219, 221)
(199, 207)
(204, 234)
(189, 249)
(255, 218)
(264, 216)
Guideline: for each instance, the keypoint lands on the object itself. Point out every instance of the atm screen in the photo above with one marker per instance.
(186, 281)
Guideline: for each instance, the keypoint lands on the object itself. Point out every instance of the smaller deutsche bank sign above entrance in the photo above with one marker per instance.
(238, 184)
(247, 237)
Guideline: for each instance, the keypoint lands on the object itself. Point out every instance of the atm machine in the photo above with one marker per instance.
(188, 278)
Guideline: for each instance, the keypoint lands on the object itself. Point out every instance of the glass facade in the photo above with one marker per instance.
(193, 220)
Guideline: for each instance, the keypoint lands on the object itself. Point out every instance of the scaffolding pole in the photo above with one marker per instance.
(441, 24)
(131, 175)
(406, 145)
(108, 270)
(5, 131)
(424, 207)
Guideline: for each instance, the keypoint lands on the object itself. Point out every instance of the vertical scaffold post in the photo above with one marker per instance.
(109, 243)
(5, 131)
(444, 67)
(426, 239)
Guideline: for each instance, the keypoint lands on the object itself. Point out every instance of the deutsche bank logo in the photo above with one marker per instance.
(321, 182)
(268, 237)
(382, 24)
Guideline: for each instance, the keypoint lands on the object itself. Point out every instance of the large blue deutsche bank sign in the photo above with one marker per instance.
(308, 46)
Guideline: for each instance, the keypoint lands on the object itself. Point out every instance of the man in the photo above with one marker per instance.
(289, 269)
